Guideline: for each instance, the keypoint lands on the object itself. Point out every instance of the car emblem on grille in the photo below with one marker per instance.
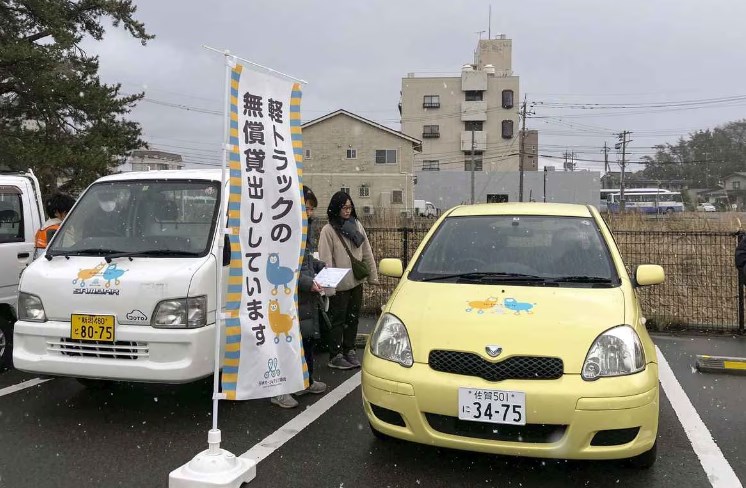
(493, 351)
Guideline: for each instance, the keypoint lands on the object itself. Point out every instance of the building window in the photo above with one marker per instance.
(507, 129)
(507, 98)
(345, 189)
(430, 131)
(474, 125)
(385, 156)
(308, 154)
(474, 96)
(364, 191)
(431, 101)
(352, 154)
(736, 185)
(397, 196)
(477, 163)
(430, 165)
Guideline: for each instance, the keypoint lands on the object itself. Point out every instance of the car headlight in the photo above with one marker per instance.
(181, 313)
(30, 308)
(390, 341)
(616, 352)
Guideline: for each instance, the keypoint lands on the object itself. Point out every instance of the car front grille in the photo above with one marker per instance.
(529, 433)
(512, 368)
(99, 349)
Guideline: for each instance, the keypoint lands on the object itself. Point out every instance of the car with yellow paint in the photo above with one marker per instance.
(516, 330)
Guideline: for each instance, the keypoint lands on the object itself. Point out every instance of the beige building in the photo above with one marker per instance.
(152, 160)
(371, 162)
(445, 111)
(531, 150)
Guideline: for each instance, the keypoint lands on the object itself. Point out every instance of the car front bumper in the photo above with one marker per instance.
(140, 353)
(569, 410)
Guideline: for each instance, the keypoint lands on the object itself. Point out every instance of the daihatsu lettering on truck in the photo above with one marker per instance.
(127, 287)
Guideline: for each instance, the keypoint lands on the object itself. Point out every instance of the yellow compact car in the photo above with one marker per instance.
(516, 330)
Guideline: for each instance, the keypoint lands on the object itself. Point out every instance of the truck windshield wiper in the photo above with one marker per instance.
(151, 252)
(487, 276)
(93, 251)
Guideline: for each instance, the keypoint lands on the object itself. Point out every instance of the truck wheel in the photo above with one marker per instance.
(6, 344)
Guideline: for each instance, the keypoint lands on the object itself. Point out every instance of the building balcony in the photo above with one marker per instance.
(473, 111)
(480, 141)
(473, 80)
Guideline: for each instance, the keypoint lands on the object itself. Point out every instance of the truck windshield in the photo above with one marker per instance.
(163, 218)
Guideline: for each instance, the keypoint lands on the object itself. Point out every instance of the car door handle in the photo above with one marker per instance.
(23, 255)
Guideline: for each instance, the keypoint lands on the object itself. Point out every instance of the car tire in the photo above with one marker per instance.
(95, 384)
(645, 460)
(378, 434)
(6, 344)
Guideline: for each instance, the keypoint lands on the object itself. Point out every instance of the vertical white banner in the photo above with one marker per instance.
(264, 355)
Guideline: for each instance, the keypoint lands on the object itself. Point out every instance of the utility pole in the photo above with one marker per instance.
(472, 166)
(606, 158)
(523, 150)
(623, 145)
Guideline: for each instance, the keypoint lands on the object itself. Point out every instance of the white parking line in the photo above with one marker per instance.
(279, 437)
(716, 467)
(22, 386)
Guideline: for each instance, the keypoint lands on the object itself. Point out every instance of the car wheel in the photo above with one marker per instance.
(646, 459)
(379, 435)
(95, 384)
(6, 344)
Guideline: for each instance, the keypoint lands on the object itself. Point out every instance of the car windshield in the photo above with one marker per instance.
(532, 249)
(164, 218)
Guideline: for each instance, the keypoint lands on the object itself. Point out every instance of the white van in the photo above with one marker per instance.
(21, 215)
(127, 287)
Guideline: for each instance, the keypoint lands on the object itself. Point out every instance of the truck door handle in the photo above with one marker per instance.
(23, 255)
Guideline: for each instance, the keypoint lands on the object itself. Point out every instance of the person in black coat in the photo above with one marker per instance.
(310, 312)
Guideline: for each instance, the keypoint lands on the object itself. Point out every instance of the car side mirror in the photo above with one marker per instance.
(391, 267)
(226, 251)
(649, 274)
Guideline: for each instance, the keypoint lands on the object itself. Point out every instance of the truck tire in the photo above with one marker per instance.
(6, 343)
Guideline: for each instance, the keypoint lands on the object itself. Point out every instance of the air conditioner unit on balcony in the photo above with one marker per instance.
(368, 210)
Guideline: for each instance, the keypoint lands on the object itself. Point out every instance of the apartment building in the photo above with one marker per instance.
(371, 162)
(474, 112)
(152, 160)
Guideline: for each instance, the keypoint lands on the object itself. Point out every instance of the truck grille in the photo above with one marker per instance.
(98, 349)
(512, 368)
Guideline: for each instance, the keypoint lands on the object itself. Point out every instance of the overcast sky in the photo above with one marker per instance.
(355, 53)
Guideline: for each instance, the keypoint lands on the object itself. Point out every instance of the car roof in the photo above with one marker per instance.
(181, 174)
(533, 208)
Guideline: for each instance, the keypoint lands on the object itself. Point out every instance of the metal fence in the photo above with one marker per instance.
(701, 291)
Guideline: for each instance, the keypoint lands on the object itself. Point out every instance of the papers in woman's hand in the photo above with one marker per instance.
(330, 277)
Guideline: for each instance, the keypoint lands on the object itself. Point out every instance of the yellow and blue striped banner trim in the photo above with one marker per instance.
(232, 355)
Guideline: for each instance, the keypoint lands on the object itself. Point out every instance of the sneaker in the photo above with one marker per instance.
(351, 358)
(317, 388)
(284, 401)
(339, 362)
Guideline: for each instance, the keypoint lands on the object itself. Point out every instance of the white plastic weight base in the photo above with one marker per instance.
(213, 468)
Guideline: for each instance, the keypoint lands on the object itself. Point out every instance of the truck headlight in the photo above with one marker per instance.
(390, 341)
(30, 308)
(616, 352)
(181, 313)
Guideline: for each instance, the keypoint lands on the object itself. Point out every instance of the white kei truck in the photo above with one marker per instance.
(126, 289)
(21, 216)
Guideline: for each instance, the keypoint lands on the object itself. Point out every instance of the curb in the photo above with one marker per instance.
(721, 364)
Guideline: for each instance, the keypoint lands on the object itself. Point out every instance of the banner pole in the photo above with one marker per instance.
(216, 467)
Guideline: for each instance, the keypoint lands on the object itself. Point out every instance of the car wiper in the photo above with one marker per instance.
(93, 251)
(151, 252)
(581, 279)
(486, 275)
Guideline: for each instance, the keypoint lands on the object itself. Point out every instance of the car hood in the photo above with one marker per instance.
(130, 290)
(523, 320)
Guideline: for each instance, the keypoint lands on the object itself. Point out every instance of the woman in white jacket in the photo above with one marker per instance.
(343, 236)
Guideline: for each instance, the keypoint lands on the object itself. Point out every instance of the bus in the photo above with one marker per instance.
(644, 200)
(605, 192)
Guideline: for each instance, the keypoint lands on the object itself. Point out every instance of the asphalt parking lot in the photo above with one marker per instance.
(59, 434)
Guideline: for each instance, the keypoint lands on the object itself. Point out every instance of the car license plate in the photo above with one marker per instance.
(92, 327)
(492, 406)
